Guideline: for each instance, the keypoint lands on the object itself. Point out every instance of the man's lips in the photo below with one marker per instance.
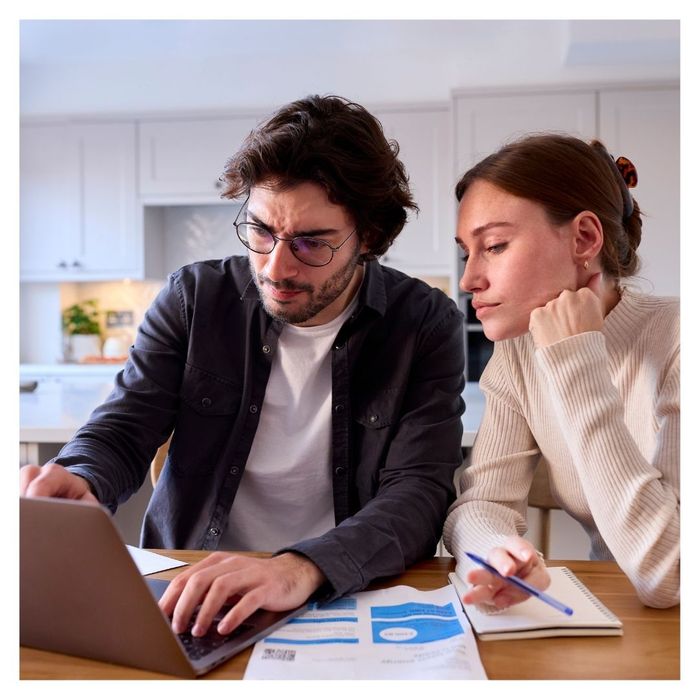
(283, 292)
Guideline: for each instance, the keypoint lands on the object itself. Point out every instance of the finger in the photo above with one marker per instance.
(174, 590)
(192, 595)
(482, 577)
(246, 606)
(504, 561)
(221, 589)
(481, 595)
(522, 551)
(27, 474)
(509, 596)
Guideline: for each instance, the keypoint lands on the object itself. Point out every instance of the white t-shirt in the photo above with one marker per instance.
(286, 492)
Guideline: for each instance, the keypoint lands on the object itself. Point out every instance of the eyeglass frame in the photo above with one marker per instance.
(277, 239)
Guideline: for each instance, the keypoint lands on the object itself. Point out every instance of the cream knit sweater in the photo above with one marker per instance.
(603, 409)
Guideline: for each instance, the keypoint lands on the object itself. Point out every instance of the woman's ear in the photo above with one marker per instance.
(587, 237)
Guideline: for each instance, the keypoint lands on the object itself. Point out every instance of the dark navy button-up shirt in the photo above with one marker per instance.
(199, 368)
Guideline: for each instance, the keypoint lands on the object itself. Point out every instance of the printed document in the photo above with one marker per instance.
(394, 633)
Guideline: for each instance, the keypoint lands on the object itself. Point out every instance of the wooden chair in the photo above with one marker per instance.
(540, 497)
(159, 461)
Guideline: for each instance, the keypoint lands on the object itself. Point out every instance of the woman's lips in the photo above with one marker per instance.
(482, 309)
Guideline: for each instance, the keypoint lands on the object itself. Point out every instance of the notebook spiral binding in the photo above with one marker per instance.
(595, 601)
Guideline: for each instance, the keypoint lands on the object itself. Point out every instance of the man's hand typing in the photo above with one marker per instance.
(279, 583)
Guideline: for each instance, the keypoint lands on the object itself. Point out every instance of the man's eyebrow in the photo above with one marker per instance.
(309, 234)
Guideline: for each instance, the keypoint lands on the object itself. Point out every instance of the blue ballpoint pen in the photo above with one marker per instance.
(523, 585)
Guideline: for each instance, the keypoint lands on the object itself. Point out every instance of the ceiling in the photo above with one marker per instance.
(94, 65)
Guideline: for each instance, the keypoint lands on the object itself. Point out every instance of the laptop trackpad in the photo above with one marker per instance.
(157, 586)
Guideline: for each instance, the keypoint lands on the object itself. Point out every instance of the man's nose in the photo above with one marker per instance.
(281, 263)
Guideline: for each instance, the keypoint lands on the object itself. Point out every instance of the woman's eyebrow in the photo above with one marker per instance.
(492, 224)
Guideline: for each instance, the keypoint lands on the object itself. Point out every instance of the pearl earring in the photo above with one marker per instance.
(585, 264)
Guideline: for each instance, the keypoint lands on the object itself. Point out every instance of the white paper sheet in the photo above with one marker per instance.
(394, 633)
(150, 562)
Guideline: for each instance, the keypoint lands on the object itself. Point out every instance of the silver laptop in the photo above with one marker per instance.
(82, 594)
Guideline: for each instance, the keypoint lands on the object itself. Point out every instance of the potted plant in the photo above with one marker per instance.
(82, 329)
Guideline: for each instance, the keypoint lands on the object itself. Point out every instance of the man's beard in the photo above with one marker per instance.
(319, 298)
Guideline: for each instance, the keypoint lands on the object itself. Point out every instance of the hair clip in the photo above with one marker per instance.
(628, 171)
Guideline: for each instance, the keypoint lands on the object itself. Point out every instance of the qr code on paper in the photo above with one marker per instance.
(279, 654)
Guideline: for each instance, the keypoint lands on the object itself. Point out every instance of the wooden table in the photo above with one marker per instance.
(649, 648)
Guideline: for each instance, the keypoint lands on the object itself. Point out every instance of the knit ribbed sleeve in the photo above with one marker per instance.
(603, 409)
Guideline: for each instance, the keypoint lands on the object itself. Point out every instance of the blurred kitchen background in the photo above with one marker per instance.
(126, 127)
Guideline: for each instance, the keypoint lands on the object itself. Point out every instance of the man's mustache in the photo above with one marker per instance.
(285, 285)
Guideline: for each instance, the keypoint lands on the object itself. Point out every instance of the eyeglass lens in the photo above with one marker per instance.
(308, 250)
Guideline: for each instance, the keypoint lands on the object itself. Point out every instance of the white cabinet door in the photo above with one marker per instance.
(78, 202)
(50, 207)
(644, 126)
(484, 124)
(111, 240)
(180, 162)
(425, 246)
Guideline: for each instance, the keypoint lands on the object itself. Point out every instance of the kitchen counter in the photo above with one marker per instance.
(61, 404)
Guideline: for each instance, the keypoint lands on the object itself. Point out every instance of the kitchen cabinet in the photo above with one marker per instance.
(644, 125)
(425, 246)
(180, 161)
(639, 122)
(78, 202)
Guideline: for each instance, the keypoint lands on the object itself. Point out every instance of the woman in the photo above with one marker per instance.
(585, 371)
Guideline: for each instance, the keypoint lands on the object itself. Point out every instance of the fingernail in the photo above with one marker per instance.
(197, 631)
(222, 629)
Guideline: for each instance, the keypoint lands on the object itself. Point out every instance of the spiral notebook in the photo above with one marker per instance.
(533, 618)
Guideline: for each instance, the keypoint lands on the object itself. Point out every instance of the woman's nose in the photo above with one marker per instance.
(473, 279)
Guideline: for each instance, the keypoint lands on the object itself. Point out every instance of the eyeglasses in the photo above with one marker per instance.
(307, 249)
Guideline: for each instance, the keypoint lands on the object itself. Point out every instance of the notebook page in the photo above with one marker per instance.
(534, 614)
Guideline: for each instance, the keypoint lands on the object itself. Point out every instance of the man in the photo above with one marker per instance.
(313, 396)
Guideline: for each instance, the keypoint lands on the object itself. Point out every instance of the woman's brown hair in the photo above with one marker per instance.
(567, 176)
(338, 145)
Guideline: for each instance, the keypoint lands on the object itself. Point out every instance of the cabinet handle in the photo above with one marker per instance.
(63, 264)
(77, 263)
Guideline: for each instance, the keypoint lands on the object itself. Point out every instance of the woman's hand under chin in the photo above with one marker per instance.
(570, 313)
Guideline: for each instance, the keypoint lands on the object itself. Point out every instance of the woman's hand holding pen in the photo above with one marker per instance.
(517, 557)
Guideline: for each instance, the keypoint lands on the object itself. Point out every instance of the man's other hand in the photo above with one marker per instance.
(53, 480)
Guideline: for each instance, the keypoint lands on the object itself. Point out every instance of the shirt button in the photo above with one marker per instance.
(339, 408)
(206, 402)
(266, 349)
(253, 408)
(214, 531)
(233, 470)
(373, 418)
(339, 346)
(340, 471)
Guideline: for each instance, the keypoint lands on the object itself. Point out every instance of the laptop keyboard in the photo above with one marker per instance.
(198, 647)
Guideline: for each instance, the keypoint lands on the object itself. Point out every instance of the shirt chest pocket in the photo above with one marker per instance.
(375, 421)
(205, 422)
